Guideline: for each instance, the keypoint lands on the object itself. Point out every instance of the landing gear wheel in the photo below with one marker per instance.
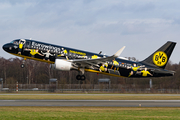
(80, 77)
(83, 77)
(22, 65)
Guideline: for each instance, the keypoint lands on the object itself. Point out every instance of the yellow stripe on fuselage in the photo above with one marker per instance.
(95, 71)
(23, 56)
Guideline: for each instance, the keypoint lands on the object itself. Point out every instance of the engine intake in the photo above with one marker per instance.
(61, 65)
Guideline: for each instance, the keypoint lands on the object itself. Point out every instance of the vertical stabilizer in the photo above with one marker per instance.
(161, 56)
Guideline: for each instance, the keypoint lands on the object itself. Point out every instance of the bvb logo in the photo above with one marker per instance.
(160, 58)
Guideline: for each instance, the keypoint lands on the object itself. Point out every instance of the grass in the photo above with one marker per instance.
(88, 113)
(87, 97)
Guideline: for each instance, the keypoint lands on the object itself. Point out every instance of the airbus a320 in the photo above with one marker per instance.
(66, 59)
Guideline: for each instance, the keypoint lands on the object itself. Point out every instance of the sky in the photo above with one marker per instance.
(94, 25)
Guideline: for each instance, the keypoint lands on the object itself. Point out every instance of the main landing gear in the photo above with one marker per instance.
(81, 75)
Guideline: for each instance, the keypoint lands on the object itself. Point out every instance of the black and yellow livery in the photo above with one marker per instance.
(64, 58)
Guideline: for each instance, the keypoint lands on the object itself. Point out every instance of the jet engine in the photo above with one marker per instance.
(61, 65)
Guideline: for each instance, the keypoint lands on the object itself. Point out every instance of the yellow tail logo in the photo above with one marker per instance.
(160, 58)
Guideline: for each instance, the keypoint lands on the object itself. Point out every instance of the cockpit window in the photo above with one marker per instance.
(15, 42)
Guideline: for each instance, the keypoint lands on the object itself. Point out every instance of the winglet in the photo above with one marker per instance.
(117, 54)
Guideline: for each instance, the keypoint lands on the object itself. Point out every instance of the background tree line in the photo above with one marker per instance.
(36, 72)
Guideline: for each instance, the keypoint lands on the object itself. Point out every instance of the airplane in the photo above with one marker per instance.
(66, 59)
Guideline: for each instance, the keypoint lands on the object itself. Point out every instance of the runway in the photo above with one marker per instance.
(103, 103)
(17, 94)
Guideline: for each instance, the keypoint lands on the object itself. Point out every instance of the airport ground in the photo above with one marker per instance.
(86, 112)
(85, 96)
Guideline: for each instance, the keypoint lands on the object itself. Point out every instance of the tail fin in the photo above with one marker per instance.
(161, 56)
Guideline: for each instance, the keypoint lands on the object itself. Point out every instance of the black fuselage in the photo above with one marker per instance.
(120, 67)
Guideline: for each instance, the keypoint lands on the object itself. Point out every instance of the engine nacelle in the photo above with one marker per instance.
(61, 65)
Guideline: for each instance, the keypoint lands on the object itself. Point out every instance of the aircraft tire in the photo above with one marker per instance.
(80, 77)
(83, 77)
(22, 65)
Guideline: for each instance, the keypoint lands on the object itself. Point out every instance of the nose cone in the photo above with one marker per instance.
(7, 47)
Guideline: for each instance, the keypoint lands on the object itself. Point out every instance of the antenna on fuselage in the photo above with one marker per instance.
(100, 52)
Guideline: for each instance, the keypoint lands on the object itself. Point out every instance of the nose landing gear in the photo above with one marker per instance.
(22, 65)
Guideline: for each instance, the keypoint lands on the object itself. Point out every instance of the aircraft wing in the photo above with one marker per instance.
(94, 62)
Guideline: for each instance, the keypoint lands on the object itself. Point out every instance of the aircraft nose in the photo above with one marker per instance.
(7, 47)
